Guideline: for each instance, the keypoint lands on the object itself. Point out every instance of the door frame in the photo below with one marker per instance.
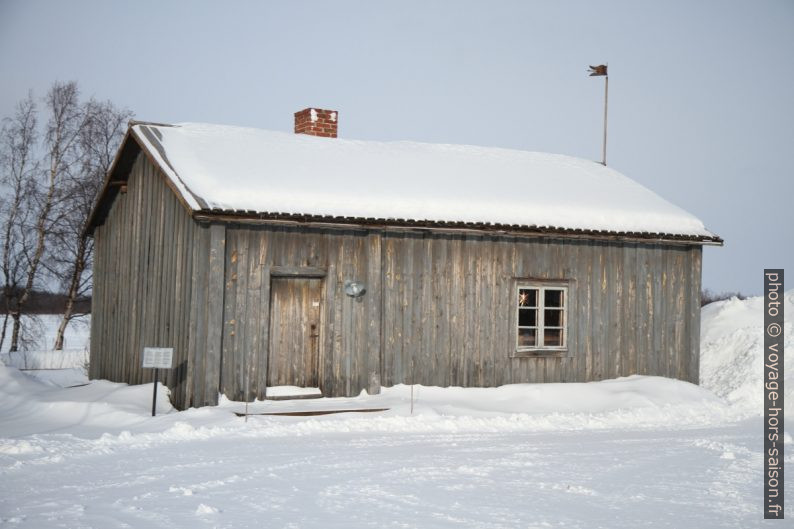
(298, 272)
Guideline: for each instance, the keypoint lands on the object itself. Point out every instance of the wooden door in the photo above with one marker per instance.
(294, 352)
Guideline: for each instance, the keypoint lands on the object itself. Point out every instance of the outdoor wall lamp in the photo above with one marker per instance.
(355, 289)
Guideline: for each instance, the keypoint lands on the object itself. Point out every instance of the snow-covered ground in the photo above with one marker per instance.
(636, 451)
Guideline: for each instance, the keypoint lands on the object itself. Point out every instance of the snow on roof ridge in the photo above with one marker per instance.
(230, 167)
(197, 125)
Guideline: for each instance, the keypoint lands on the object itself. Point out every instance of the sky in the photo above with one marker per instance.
(701, 109)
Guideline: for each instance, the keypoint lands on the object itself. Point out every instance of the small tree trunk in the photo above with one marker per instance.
(62, 326)
(3, 332)
(74, 285)
(15, 333)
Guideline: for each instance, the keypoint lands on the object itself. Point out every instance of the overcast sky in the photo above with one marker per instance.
(701, 105)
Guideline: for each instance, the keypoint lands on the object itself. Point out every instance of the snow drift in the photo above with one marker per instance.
(732, 352)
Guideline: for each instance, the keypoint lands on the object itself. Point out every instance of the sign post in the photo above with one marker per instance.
(157, 358)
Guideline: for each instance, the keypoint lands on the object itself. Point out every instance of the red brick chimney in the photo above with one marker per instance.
(317, 122)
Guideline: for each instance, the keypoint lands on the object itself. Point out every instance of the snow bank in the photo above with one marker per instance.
(122, 412)
(732, 352)
(266, 171)
(29, 406)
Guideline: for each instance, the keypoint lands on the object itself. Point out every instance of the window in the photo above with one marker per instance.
(542, 317)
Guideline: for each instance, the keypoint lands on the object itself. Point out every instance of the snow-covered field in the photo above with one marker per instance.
(631, 452)
(36, 357)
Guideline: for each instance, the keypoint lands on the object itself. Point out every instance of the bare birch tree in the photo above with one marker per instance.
(48, 190)
(61, 141)
(18, 170)
(100, 136)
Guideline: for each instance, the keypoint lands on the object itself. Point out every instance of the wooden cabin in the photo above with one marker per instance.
(275, 259)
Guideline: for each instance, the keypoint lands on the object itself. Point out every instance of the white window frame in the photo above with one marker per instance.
(540, 323)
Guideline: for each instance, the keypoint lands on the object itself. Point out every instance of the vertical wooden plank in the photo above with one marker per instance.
(666, 317)
(570, 370)
(489, 312)
(410, 286)
(96, 351)
(477, 302)
(215, 281)
(249, 317)
(144, 280)
(192, 394)
(679, 284)
(504, 333)
(585, 296)
(629, 318)
(127, 266)
(229, 314)
(166, 288)
(264, 297)
(601, 301)
(374, 300)
(656, 328)
(469, 353)
(693, 329)
(114, 368)
(342, 361)
(237, 316)
(154, 276)
(391, 317)
(114, 331)
(455, 303)
(178, 307)
(674, 311)
(426, 359)
(617, 311)
(328, 256)
(186, 301)
(170, 258)
(108, 235)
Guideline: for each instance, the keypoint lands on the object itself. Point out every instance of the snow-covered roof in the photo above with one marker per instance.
(235, 169)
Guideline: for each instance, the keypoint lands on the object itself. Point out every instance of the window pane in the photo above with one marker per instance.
(527, 297)
(528, 317)
(553, 298)
(552, 317)
(526, 337)
(552, 338)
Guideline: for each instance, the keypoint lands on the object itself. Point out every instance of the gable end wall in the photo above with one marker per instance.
(150, 288)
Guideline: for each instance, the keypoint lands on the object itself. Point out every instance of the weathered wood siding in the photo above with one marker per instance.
(449, 306)
(349, 348)
(439, 308)
(150, 288)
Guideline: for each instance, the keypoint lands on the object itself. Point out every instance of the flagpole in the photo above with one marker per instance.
(606, 100)
(598, 71)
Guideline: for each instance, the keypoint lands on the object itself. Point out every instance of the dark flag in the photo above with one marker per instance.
(601, 69)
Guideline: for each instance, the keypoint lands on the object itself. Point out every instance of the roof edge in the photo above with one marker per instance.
(133, 143)
(224, 215)
(121, 162)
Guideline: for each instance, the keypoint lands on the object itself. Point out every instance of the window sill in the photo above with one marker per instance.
(540, 353)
